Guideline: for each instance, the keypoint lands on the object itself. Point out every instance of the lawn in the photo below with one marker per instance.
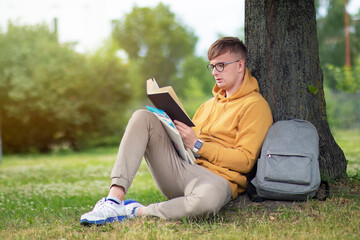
(43, 197)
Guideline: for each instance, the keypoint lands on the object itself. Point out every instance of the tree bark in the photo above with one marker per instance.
(283, 55)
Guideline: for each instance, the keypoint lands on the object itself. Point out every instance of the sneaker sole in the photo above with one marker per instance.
(86, 222)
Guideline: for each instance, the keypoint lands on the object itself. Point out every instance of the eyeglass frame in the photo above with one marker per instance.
(211, 67)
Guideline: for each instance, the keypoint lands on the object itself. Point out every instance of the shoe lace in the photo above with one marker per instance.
(101, 208)
(100, 204)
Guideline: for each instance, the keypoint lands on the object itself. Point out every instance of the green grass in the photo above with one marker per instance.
(43, 197)
(349, 141)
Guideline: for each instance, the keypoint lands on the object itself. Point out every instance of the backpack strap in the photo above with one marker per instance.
(327, 191)
(251, 192)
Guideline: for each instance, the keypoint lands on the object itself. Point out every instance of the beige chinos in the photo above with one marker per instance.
(191, 190)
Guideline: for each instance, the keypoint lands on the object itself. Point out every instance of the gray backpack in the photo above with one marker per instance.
(288, 167)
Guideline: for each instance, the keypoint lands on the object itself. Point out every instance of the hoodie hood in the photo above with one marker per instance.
(248, 85)
(232, 129)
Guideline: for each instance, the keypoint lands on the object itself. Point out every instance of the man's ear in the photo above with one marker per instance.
(241, 65)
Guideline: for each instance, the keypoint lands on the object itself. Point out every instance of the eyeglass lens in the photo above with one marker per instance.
(219, 67)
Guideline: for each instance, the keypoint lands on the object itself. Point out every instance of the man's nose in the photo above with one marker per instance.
(214, 71)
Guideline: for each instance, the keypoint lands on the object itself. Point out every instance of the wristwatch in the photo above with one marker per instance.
(197, 146)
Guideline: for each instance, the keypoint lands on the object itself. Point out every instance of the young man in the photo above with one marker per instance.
(228, 135)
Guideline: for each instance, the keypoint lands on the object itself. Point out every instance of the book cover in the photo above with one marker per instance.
(166, 99)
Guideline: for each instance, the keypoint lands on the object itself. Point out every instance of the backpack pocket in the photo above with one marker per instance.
(287, 168)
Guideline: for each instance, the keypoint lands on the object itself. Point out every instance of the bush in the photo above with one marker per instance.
(342, 109)
(50, 94)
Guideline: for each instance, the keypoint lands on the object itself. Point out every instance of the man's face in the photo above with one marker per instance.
(230, 78)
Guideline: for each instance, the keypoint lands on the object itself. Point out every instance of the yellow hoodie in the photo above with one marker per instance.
(233, 129)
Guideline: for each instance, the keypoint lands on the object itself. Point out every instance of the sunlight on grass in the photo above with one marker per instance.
(43, 197)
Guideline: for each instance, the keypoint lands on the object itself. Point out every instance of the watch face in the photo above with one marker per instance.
(198, 144)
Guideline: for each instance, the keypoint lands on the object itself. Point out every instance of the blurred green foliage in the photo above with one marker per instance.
(194, 69)
(330, 29)
(346, 79)
(155, 41)
(342, 109)
(54, 98)
(342, 84)
(194, 96)
(51, 94)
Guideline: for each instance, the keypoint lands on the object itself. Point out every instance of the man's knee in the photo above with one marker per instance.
(142, 116)
(205, 201)
(141, 113)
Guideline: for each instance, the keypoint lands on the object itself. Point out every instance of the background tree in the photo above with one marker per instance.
(155, 40)
(51, 94)
(332, 47)
(283, 55)
(194, 67)
(331, 33)
(342, 83)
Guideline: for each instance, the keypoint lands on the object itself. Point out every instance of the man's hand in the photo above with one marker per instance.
(187, 134)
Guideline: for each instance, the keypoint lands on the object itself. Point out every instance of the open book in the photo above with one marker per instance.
(166, 99)
(184, 153)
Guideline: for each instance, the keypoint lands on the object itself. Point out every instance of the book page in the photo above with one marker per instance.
(151, 85)
(173, 134)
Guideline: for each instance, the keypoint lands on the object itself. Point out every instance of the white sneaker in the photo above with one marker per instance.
(105, 211)
(132, 208)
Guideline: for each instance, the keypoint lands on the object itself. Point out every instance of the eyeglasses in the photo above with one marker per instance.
(219, 66)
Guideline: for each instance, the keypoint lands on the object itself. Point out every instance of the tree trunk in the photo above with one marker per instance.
(283, 55)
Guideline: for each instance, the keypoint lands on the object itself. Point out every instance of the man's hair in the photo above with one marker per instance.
(227, 44)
